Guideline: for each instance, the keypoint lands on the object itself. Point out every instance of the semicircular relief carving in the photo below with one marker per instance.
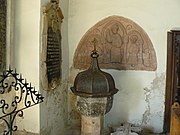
(121, 44)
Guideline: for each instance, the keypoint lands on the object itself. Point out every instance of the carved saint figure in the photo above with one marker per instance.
(133, 51)
(115, 41)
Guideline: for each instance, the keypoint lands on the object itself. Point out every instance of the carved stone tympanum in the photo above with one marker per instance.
(121, 44)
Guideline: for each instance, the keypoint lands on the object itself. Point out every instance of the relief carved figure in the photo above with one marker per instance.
(51, 45)
(133, 51)
(122, 45)
(114, 39)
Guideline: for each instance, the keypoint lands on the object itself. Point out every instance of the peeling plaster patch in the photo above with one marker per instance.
(56, 109)
(159, 83)
(46, 131)
(73, 114)
(147, 112)
(154, 98)
(74, 118)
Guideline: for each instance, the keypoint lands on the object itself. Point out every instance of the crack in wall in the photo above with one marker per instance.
(146, 115)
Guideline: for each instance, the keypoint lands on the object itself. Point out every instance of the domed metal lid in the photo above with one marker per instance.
(94, 82)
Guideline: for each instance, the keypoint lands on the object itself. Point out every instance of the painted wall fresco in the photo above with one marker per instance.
(121, 44)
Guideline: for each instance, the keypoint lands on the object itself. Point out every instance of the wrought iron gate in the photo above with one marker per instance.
(24, 96)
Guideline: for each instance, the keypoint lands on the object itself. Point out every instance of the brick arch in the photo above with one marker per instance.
(121, 44)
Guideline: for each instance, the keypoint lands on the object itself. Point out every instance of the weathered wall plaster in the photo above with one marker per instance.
(73, 114)
(153, 107)
(132, 103)
(53, 111)
(26, 54)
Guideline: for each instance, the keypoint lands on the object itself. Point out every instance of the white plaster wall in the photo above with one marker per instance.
(26, 52)
(141, 96)
(50, 116)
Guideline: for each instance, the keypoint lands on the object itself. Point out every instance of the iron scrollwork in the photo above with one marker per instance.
(23, 96)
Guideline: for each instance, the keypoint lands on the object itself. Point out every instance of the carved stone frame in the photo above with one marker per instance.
(51, 18)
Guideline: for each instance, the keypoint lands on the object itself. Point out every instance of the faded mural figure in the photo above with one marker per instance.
(133, 51)
(115, 41)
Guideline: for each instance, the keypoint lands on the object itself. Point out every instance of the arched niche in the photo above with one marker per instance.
(121, 44)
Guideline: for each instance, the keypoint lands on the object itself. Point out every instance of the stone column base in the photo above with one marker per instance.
(91, 125)
(92, 112)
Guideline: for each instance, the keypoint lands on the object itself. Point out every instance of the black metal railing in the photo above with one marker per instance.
(23, 96)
